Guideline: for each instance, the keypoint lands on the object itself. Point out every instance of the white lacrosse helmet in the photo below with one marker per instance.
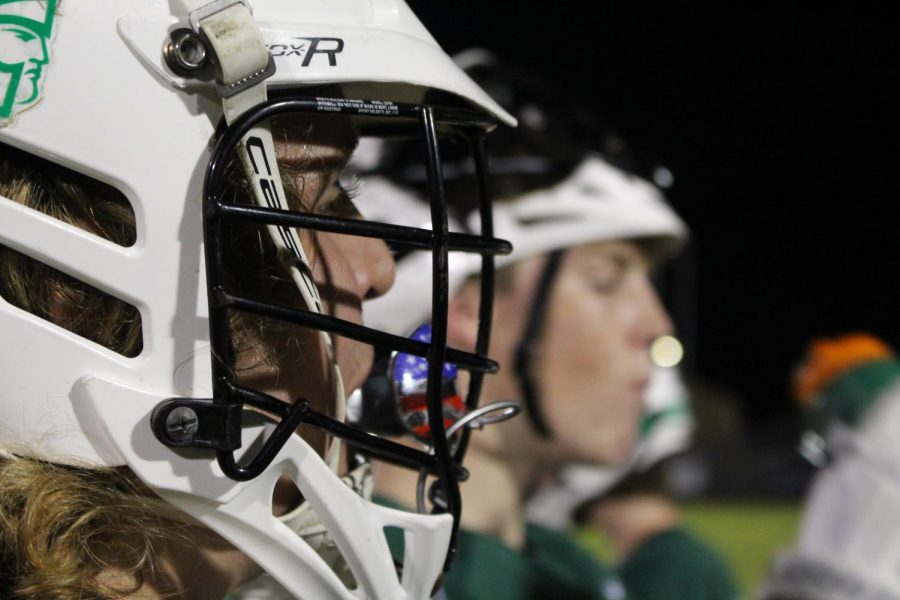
(597, 202)
(559, 191)
(846, 545)
(122, 91)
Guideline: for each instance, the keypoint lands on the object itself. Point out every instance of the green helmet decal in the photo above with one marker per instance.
(26, 30)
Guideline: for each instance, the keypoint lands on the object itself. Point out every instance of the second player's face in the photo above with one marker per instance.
(593, 363)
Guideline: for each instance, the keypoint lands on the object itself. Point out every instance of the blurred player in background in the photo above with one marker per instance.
(848, 543)
(575, 313)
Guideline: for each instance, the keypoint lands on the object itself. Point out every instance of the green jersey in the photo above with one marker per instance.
(676, 565)
(552, 565)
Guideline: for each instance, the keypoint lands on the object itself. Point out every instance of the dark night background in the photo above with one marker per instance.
(780, 126)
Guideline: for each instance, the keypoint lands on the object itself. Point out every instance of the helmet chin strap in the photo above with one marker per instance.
(526, 349)
(309, 527)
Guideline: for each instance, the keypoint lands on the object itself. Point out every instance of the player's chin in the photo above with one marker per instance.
(604, 445)
(619, 447)
(618, 441)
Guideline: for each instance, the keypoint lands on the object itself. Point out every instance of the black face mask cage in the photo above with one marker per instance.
(216, 423)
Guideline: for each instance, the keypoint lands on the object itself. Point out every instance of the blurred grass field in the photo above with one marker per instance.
(747, 534)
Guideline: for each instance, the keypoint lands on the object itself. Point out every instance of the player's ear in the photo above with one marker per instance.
(462, 316)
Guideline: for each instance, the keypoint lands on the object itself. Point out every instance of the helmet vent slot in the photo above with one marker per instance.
(74, 305)
(67, 195)
(396, 539)
(47, 292)
(304, 521)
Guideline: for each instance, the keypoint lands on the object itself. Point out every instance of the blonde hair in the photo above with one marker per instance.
(62, 526)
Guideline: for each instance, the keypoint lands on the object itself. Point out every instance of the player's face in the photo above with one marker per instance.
(593, 362)
(347, 270)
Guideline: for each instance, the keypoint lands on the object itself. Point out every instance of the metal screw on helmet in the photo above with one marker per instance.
(185, 53)
(182, 424)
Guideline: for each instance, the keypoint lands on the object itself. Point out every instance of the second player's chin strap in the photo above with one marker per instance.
(243, 65)
(526, 349)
